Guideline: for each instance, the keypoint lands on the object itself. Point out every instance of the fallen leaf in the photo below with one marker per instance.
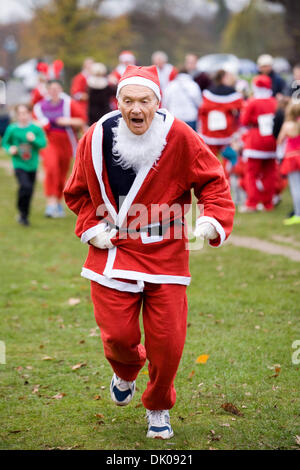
(73, 301)
(202, 359)
(47, 358)
(99, 415)
(225, 425)
(297, 440)
(230, 408)
(97, 397)
(58, 396)
(78, 366)
(93, 332)
(63, 448)
(191, 374)
(36, 388)
(213, 436)
(29, 367)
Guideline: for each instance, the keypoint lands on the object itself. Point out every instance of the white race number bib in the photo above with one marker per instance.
(265, 124)
(216, 121)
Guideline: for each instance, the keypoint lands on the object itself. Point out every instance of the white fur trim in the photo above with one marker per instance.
(40, 115)
(93, 231)
(112, 283)
(249, 153)
(203, 219)
(221, 98)
(67, 112)
(98, 157)
(154, 278)
(261, 93)
(139, 81)
(217, 140)
(110, 262)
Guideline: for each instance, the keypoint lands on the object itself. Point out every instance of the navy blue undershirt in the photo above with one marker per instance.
(120, 180)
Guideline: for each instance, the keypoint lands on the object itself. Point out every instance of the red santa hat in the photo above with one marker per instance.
(127, 56)
(262, 81)
(145, 76)
(262, 86)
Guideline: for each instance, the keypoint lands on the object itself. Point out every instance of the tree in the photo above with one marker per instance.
(222, 17)
(158, 28)
(66, 30)
(292, 18)
(254, 31)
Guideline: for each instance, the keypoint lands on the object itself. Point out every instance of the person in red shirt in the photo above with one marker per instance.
(260, 145)
(166, 72)
(125, 58)
(79, 86)
(59, 115)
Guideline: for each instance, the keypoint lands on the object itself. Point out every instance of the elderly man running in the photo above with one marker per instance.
(130, 188)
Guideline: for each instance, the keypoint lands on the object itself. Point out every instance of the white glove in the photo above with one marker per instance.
(206, 230)
(102, 239)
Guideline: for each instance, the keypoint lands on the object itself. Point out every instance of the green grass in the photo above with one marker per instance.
(243, 312)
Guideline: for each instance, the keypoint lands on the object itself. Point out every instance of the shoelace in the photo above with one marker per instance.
(157, 417)
(122, 384)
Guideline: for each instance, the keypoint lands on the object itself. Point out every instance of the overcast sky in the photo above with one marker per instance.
(13, 10)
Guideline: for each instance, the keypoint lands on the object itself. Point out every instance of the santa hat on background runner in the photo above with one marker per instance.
(262, 86)
(127, 57)
(51, 71)
(145, 76)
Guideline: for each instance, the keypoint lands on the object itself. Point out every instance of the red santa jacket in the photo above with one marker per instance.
(258, 115)
(79, 87)
(218, 115)
(185, 163)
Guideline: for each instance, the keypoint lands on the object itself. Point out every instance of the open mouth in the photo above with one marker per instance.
(137, 121)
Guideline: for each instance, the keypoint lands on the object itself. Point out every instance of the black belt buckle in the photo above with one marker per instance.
(155, 230)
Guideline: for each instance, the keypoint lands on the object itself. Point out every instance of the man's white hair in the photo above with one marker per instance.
(159, 54)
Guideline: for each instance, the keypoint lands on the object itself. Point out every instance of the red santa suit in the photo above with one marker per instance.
(62, 141)
(125, 58)
(79, 88)
(260, 144)
(151, 267)
(219, 117)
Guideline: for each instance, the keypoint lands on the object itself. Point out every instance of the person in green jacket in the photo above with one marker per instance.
(22, 140)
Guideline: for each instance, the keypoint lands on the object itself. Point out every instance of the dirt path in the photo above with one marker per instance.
(265, 247)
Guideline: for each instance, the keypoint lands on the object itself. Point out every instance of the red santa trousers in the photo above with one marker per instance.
(164, 308)
(56, 161)
(260, 182)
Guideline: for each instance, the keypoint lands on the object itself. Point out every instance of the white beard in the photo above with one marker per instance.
(135, 151)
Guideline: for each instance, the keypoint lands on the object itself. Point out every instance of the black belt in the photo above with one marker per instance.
(152, 230)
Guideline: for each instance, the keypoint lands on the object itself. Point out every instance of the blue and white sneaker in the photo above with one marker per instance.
(121, 391)
(52, 212)
(159, 426)
(60, 211)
